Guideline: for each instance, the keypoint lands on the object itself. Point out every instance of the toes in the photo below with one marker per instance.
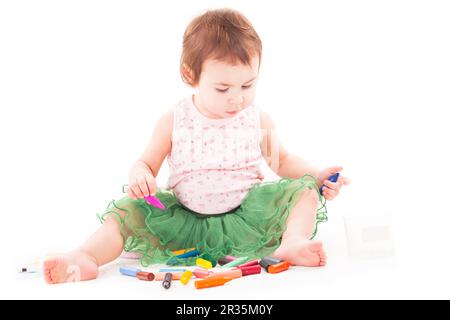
(48, 267)
(54, 270)
(49, 264)
(323, 259)
(48, 278)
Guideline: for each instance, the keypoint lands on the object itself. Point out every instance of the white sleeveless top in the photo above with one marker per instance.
(213, 162)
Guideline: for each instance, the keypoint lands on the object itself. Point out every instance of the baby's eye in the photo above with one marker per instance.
(246, 87)
(222, 90)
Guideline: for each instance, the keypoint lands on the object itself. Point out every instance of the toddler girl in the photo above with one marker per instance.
(215, 198)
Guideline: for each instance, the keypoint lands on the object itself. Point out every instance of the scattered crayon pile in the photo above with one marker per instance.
(230, 268)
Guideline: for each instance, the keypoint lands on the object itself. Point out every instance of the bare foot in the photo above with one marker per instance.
(74, 266)
(302, 252)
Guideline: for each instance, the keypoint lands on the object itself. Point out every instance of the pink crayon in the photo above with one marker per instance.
(201, 273)
(250, 263)
(154, 202)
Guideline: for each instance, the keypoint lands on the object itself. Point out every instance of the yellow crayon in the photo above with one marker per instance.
(203, 263)
(186, 276)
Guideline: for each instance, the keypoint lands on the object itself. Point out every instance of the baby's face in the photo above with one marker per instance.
(225, 89)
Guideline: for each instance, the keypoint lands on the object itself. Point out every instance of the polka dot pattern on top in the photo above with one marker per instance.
(214, 162)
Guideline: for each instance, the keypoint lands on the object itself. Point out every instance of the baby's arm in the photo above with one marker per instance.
(145, 169)
(160, 144)
(284, 164)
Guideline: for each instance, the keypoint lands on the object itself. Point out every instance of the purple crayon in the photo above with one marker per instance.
(154, 202)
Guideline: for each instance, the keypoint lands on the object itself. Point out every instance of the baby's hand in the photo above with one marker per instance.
(332, 188)
(142, 183)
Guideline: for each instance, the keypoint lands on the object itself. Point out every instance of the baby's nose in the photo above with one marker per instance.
(237, 101)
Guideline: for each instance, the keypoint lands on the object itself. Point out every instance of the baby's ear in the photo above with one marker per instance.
(187, 74)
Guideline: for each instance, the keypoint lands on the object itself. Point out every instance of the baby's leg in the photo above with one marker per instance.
(103, 246)
(296, 245)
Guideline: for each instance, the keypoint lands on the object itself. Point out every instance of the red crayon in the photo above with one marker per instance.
(249, 270)
(146, 276)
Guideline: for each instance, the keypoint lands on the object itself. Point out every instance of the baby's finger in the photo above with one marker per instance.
(137, 190)
(326, 194)
(343, 180)
(131, 194)
(332, 185)
(151, 182)
(143, 186)
(332, 193)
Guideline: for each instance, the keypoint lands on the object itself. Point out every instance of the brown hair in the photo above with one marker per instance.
(222, 34)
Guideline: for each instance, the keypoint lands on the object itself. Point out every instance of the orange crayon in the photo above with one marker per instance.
(282, 266)
(212, 282)
(175, 276)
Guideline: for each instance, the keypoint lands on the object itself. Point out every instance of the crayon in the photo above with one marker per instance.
(279, 267)
(189, 254)
(30, 270)
(235, 262)
(146, 276)
(159, 276)
(232, 274)
(172, 270)
(185, 277)
(250, 263)
(201, 273)
(224, 260)
(175, 260)
(129, 271)
(203, 263)
(178, 252)
(209, 258)
(268, 261)
(208, 283)
(167, 280)
(249, 270)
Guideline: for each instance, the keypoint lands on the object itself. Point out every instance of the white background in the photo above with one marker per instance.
(362, 84)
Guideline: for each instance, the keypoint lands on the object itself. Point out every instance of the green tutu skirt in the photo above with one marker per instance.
(253, 229)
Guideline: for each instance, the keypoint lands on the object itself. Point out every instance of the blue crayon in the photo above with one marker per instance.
(332, 178)
(129, 271)
(172, 270)
(189, 254)
(175, 260)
